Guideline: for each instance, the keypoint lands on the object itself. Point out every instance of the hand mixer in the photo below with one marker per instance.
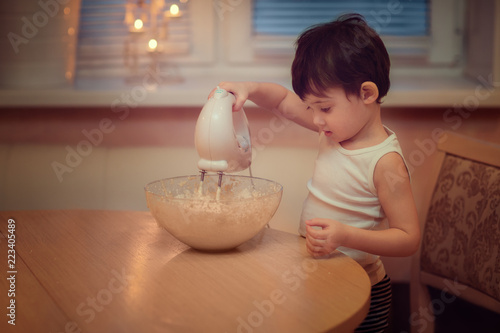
(222, 137)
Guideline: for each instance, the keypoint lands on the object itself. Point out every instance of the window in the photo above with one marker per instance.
(278, 17)
(416, 32)
(111, 45)
(223, 39)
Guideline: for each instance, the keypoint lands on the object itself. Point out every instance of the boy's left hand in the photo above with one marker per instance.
(321, 242)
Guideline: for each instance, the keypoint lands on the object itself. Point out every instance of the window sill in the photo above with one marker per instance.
(406, 91)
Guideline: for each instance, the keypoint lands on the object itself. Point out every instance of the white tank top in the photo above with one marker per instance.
(342, 189)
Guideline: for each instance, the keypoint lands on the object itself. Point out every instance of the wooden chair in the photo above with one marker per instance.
(460, 250)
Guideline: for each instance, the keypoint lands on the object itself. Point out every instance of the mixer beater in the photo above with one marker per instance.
(219, 183)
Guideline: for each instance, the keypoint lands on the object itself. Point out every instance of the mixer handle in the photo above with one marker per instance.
(222, 136)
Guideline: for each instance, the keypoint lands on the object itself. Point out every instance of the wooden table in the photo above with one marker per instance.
(115, 271)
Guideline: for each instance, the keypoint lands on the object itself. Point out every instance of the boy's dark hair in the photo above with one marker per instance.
(345, 52)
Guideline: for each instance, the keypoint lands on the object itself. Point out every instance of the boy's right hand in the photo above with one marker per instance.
(240, 91)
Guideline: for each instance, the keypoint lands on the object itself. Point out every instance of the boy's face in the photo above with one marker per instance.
(341, 118)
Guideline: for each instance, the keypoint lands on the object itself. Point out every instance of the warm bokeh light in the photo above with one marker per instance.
(138, 24)
(153, 44)
(174, 9)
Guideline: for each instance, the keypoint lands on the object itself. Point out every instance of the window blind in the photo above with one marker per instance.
(389, 18)
(106, 46)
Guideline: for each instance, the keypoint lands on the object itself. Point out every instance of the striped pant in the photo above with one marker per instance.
(377, 319)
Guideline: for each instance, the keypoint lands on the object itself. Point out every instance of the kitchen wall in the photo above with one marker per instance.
(91, 158)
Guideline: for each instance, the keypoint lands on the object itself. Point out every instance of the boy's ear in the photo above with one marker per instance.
(368, 92)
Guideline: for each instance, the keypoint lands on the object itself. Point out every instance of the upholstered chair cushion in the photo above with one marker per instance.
(462, 231)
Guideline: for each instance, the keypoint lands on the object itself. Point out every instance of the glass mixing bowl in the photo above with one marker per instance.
(196, 215)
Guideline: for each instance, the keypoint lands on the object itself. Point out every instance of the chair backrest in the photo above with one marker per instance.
(461, 235)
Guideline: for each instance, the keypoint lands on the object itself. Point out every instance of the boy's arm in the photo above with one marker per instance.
(273, 97)
(401, 239)
(393, 186)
